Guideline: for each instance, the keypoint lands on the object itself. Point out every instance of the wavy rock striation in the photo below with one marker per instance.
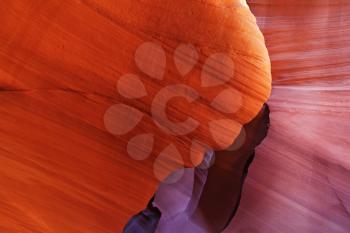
(299, 181)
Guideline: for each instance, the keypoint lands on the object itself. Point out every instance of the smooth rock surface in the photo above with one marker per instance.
(299, 180)
(61, 169)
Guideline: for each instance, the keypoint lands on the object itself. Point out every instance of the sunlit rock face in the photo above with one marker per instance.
(299, 181)
(70, 70)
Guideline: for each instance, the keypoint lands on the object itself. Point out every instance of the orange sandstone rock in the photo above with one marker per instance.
(73, 73)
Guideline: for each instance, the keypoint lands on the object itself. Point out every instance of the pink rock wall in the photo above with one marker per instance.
(300, 178)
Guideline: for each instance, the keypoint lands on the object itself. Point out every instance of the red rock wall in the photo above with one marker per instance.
(60, 170)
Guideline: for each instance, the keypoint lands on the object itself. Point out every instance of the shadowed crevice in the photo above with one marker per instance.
(216, 191)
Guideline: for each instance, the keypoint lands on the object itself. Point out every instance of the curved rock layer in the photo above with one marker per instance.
(299, 180)
(60, 67)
